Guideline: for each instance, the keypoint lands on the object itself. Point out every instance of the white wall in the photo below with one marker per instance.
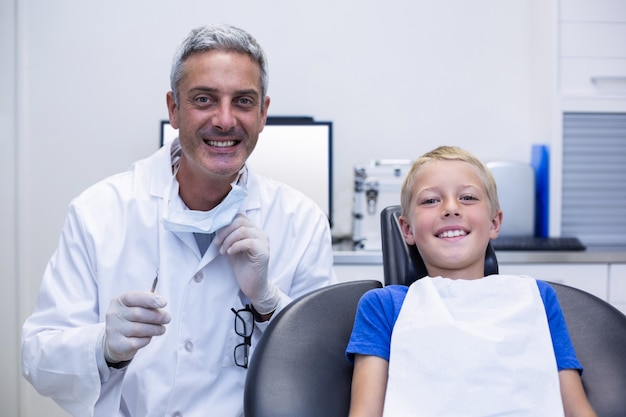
(9, 324)
(397, 78)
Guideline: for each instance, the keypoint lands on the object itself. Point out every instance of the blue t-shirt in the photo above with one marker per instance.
(378, 311)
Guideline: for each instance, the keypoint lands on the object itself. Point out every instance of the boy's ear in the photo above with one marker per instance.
(407, 231)
(496, 223)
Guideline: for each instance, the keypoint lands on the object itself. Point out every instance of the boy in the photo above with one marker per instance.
(457, 343)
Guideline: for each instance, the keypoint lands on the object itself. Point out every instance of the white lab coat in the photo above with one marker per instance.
(113, 242)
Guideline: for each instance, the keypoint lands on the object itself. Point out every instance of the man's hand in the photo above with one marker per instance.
(248, 247)
(131, 321)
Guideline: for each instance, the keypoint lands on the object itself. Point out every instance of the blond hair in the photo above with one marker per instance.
(449, 153)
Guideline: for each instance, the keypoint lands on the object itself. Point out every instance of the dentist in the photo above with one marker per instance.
(226, 249)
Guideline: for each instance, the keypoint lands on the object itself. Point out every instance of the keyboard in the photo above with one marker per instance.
(531, 243)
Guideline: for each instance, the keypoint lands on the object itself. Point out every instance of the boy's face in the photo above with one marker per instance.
(450, 220)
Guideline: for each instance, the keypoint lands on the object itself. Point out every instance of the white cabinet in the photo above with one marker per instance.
(593, 76)
(347, 273)
(617, 286)
(592, 50)
(601, 274)
(593, 10)
(584, 39)
(592, 277)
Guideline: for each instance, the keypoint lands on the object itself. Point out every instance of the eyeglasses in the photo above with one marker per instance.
(244, 326)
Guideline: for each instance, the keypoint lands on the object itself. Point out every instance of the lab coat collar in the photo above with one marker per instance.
(160, 171)
(159, 167)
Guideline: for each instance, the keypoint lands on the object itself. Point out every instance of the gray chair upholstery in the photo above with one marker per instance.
(299, 367)
(597, 329)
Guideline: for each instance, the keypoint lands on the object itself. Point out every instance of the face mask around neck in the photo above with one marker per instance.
(177, 218)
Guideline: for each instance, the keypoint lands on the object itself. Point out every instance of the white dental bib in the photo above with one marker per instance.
(472, 348)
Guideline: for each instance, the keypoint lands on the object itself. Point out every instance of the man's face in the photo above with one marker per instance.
(219, 113)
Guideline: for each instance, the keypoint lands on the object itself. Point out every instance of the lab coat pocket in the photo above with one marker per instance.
(237, 350)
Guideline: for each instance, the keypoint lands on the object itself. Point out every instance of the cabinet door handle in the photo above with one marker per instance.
(608, 78)
(612, 83)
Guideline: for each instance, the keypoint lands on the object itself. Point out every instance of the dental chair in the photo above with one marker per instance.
(299, 368)
(597, 329)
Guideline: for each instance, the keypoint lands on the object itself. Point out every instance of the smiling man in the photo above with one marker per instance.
(219, 107)
(101, 341)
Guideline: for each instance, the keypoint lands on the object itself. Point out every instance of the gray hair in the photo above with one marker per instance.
(218, 37)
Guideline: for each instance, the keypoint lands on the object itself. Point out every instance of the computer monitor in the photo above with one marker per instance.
(293, 150)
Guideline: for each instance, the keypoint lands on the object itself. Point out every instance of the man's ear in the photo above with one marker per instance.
(407, 230)
(264, 109)
(496, 223)
(172, 109)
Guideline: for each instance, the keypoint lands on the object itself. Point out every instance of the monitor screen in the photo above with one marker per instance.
(293, 150)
